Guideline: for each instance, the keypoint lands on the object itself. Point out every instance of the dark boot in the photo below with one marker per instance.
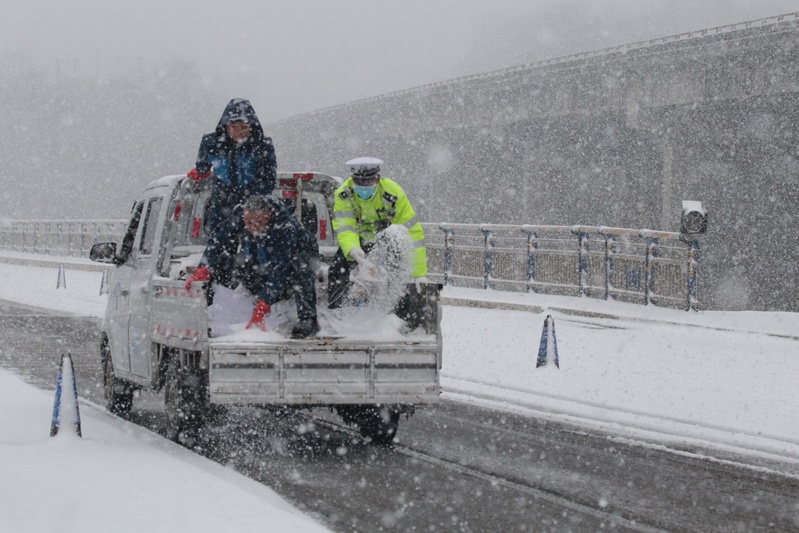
(338, 280)
(305, 327)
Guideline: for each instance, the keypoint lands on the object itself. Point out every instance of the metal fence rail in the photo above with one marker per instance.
(72, 238)
(639, 266)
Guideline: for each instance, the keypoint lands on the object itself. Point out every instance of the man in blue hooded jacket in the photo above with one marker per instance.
(263, 247)
(241, 158)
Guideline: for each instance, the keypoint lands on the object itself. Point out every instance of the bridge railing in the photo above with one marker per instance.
(640, 266)
(72, 238)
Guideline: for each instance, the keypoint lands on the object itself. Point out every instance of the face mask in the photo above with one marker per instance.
(364, 192)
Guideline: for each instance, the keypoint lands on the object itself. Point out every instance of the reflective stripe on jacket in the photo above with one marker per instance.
(356, 220)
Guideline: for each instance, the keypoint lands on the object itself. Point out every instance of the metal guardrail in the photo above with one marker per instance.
(639, 266)
(73, 238)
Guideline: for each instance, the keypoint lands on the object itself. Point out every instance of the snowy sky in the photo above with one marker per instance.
(293, 56)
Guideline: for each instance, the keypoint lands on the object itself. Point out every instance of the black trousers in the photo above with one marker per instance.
(413, 307)
(338, 283)
(338, 278)
(301, 282)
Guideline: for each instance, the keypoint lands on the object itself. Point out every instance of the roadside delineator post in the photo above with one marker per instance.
(548, 347)
(62, 277)
(66, 379)
(104, 283)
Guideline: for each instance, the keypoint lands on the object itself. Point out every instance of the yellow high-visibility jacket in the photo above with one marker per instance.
(356, 220)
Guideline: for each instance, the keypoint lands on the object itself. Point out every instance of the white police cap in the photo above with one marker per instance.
(364, 167)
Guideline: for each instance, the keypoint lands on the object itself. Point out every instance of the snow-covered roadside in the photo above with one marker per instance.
(36, 286)
(118, 477)
(677, 384)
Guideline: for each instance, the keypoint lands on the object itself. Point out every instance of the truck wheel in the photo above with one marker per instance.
(184, 396)
(379, 424)
(118, 394)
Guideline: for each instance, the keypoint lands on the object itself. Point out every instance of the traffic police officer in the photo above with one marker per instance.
(365, 204)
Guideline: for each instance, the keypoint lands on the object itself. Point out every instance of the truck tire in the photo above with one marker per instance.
(184, 401)
(379, 424)
(118, 393)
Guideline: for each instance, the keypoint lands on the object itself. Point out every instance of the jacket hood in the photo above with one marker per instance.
(240, 109)
(280, 212)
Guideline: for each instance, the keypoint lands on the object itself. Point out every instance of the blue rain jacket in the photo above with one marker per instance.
(240, 170)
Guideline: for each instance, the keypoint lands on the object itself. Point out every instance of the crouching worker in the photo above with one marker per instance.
(265, 249)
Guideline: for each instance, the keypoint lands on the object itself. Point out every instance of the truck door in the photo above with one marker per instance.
(119, 294)
(144, 267)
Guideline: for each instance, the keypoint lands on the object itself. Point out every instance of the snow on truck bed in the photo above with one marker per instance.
(231, 311)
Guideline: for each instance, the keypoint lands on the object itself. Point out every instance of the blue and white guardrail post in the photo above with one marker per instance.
(449, 240)
(582, 261)
(532, 246)
(488, 257)
(693, 273)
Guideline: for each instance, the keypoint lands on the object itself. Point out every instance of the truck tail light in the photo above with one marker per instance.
(196, 227)
(178, 207)
(322, 229)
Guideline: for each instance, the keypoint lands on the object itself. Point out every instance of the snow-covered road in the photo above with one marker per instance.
(706, 379)
(718, 378)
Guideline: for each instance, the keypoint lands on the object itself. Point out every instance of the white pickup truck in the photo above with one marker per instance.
(155, 333)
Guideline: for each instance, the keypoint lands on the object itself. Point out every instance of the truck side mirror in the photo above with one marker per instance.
(104, 252)
(694, 218)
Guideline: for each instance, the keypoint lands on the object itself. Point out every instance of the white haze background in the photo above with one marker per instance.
(102, 96)
(294, 56)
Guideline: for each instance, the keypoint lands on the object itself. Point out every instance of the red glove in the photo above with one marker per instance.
(195, 175)
(261, 310)
(200, 274)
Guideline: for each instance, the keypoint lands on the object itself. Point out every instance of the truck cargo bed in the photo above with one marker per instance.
(315, 371)
(324, 372)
